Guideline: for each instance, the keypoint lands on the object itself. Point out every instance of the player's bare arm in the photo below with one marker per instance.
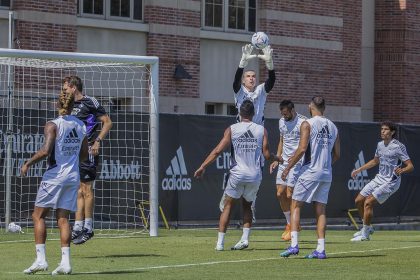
(50, 134)
(305, 130)
(84, 150)
(372, 163)
(266, 150)
(223, 144)
(408, 167)
(106, 127)
(336, 149)
(275, 163)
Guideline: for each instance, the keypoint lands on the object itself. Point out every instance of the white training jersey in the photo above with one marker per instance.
(64, 159)
(246, 155)
(318, 157)
(258, 98)
(290, 131)
(390, 156)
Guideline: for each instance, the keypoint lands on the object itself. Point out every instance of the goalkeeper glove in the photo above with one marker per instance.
(267, 57)
(246, 55)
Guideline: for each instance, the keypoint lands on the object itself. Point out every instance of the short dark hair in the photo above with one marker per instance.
(319, 102)
(247, 109)
(392, 126)
(74, 81)
(286, 104)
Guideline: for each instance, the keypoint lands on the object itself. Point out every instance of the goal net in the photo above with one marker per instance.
(126, 86)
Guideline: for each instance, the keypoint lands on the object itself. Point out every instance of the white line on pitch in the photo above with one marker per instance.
(57, 239)
(239, 261)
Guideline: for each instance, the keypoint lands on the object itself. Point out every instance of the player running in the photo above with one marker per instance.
(64, 143)
(390, 154)
(289, 126)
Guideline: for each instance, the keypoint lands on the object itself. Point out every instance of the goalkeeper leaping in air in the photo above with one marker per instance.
(245, 88)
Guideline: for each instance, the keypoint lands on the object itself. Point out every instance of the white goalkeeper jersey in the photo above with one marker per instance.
(258, 98)
(246, 155)
(391, 157)
(317, 163)
(64, 159)
(290, 131)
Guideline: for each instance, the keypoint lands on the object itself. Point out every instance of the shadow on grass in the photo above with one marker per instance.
(354, 256)
(111, 272)
(124, 256)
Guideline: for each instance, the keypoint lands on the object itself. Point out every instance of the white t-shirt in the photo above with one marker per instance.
(258, 97)
(390, 158)
(246, 156)
(290, 131)
(64, 159)
(318, 158)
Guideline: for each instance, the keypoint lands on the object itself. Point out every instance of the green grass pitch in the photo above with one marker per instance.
(190, 254)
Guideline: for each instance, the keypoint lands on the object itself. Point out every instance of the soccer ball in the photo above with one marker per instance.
(260, 40)
(15, 228)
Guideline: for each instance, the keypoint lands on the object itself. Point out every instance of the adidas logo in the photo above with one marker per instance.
(72, 137)
(361, 179)
(324, 133)
(247, 137)
(175, 171)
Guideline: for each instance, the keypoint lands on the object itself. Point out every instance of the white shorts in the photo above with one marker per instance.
(380, 191)
(291, 177)
(58, 192)
(309, 191)
(247, 190)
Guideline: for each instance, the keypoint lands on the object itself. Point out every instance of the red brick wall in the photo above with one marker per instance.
(46, 36)
(304, 72)
(175, 49)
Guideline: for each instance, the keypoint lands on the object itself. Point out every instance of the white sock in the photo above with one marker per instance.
(65, 256)
(245, 233)
(295, 236)
(40, 253)
(88, 224)
(221, 238)
(78, 225)
(365, 230)
(287, 215)
(321, 245)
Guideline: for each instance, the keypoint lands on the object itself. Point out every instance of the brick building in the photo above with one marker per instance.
(363, 56)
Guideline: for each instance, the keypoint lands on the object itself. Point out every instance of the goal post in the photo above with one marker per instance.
(127, 87)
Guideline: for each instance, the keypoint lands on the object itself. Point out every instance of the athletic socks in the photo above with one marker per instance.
(40, 253)
(245, 233)
(294, 235)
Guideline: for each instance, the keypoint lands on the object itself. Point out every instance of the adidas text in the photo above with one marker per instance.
(173, 183)
(71, 140)
(357, 184)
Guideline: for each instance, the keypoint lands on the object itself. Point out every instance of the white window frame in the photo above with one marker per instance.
(107, 12)
(225, 18)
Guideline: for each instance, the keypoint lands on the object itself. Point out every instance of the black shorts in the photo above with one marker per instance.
(88, 169)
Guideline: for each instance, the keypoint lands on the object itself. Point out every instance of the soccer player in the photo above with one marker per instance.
(320, 144)
(390, 154)
(88, 110)
(245, 88)
(289, 126)
(249, 144)
(244, 85)
(64, 143)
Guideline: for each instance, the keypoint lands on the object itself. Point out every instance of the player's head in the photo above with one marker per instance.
(317, 105)
(72, 83)
(246, 111)
(65, 103)
(388, 130)
(287, 109)
(249, 79)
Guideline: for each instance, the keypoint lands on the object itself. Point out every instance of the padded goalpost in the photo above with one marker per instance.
(127, 87)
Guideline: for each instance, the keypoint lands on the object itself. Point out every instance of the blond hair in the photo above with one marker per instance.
(65, 103)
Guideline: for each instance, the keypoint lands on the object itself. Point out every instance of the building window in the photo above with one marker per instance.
(230, 14)
(4, 3)
(231, 110)
(115, 9)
